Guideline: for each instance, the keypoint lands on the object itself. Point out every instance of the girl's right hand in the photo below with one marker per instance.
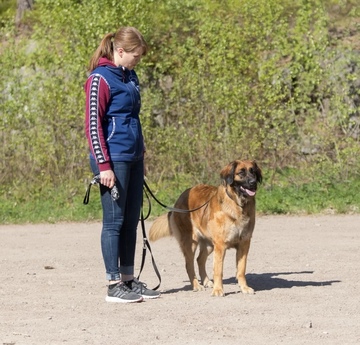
(107, 178)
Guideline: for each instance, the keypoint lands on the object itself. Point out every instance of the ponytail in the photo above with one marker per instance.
(128, 38)
(105, 49)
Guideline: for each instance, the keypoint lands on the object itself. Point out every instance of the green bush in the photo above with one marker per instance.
(271, 80)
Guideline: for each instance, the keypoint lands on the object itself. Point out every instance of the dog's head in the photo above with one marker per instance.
(242, 176)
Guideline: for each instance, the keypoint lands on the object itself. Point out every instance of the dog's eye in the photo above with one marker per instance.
(242, 173)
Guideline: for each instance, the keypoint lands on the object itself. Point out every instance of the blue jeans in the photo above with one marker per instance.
(120, 218)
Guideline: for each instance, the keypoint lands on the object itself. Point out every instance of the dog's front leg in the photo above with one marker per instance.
(241, 259)
(219, 254)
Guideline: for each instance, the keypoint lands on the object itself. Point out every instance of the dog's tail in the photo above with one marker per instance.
(160, 228)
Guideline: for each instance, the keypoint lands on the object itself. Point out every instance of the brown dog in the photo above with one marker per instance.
(226, 221)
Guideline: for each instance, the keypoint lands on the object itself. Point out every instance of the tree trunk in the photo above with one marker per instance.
(22, 6)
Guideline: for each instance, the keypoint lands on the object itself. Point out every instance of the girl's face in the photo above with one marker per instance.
(129, 59)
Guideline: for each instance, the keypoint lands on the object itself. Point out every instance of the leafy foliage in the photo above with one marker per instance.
(276, 81)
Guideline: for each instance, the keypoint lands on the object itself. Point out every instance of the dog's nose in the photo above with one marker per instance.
(252, 182)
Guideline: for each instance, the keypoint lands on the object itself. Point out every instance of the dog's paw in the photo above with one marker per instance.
(208, 283)
(218, 293)
(247, 290)
(197, 286)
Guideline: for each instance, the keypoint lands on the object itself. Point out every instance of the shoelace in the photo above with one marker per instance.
(125, 287)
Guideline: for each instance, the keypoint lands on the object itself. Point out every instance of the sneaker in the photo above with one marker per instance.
(121, 293)
(140, 288)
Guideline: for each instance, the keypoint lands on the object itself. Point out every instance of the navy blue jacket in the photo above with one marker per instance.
(112, 122)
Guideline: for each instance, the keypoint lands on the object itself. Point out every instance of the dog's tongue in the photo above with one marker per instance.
(249, 192)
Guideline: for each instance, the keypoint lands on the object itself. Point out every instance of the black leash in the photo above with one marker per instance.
(115, 195)
(146, 244)
(96, 180)
(142, 219)
(173, 209)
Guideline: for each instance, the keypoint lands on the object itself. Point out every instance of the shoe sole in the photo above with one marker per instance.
(119, 300)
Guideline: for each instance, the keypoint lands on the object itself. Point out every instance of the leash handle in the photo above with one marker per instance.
(96, 180)
(87, 195)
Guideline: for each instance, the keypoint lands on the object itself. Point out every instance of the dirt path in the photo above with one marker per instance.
(305, 271)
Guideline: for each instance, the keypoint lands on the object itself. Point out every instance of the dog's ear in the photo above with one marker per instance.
(227, 173)
(257, 172)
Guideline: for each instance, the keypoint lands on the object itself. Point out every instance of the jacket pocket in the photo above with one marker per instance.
(124, 135)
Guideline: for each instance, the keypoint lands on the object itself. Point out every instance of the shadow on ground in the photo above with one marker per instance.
(268, 281)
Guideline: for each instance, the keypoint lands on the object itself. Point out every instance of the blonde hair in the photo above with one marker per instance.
(128, 38)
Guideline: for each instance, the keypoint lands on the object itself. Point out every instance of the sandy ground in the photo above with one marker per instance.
(305, 271)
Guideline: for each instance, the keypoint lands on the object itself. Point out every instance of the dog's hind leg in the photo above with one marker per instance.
(241, 258)
(205, 251)
(189, 254)
(181, 227)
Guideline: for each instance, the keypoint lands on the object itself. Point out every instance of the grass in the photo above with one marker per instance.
(66, 204)
(50, 206)
(311, 198)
